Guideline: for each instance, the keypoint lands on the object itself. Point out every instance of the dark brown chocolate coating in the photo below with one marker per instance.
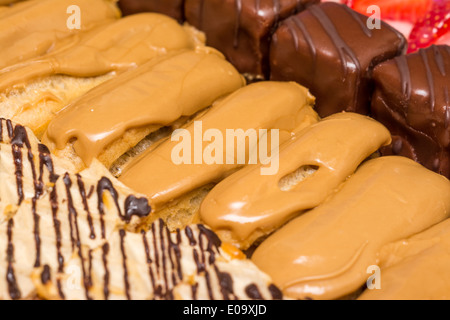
(412, 98)
(329, 49)
(172, 8)
(242, 29)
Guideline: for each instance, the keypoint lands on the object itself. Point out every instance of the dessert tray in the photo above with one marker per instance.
(224, 149)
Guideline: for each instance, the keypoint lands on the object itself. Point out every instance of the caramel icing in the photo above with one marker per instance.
(189, 81)
(70, 236)
(325, 253)
(263, 105)
(247, 204)
(114, 46)
(415, 268)
(32, 28)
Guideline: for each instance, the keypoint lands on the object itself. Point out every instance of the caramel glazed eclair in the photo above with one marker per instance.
(65, 236)
(33, 90)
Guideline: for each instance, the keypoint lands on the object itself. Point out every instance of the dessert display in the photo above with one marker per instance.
(412, 98)
(229, 149)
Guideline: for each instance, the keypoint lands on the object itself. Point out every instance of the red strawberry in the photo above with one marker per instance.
(432, 27)
(408, 10)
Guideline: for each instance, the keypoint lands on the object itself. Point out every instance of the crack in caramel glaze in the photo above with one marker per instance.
(325, 252)
(247, 205)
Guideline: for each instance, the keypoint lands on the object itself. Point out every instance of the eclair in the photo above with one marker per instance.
(264, 105)
(326, 252)
(113, 117)
(33, 27)
(248, 205)
(33, 91)
(415, 268)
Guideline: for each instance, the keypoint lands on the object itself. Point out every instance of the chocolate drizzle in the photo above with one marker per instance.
(237, 25)
(124, 261)
(429, 79)
(13, 288)
(75, 232)
(133, 206)
(342, 47)
(253, 292)
(85, 205)
(405, 76)
(105, 251)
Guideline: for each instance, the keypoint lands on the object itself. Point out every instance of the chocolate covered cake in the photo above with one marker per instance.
(412, 98)
(242, 30)
(329, 49)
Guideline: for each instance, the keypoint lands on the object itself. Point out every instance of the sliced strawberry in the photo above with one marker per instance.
(407, 10)
(433, 26)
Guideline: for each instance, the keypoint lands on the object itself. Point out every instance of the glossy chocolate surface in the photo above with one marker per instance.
(172, 8)
(412, 98)
(242, 29)
(329, 49)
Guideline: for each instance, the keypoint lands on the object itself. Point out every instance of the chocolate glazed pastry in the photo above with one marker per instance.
(172, 8)
(412, 98)
(329, 49)
(242, 29)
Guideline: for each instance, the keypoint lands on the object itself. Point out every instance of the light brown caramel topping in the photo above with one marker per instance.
(114, 46)
(264, 105)
(32, 28)
(326, 252)
(416, 268)
(248, 202)
(156, 94)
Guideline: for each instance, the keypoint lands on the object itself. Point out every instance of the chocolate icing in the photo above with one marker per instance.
(325, 48)
(242, 30)
(412, 99)
(172, 8)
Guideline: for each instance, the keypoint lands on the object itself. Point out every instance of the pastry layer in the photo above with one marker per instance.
(67, 236)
